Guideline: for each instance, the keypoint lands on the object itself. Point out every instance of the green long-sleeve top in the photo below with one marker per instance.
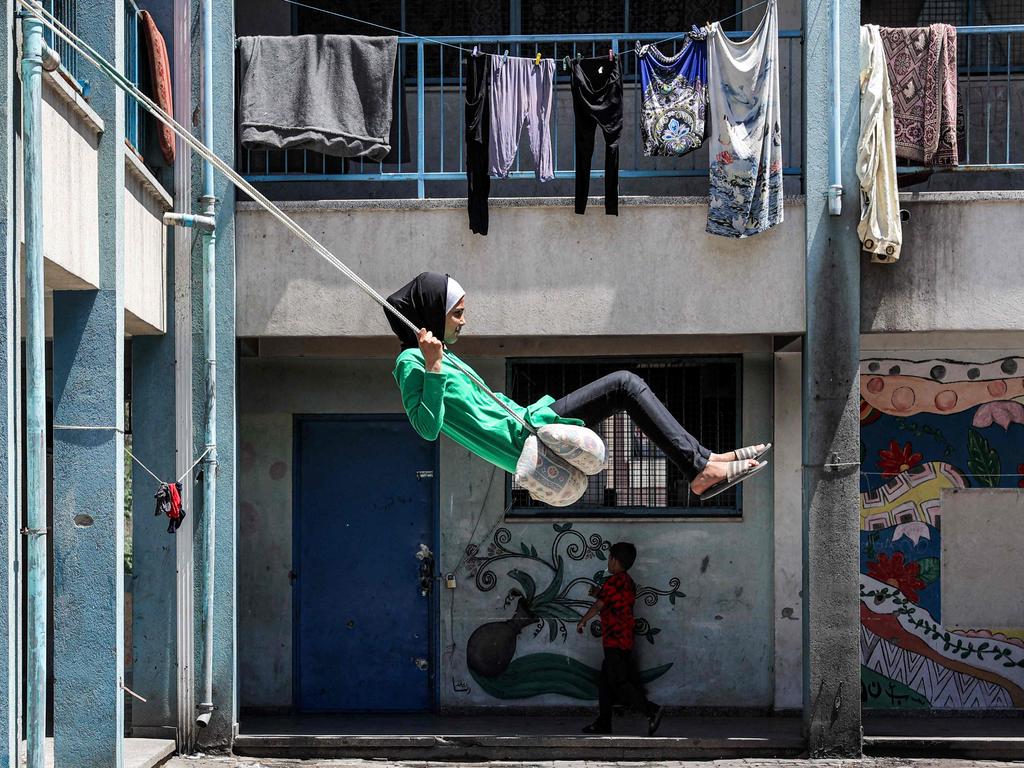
(451, 403)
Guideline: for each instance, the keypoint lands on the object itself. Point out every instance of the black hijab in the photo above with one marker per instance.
(422, 301)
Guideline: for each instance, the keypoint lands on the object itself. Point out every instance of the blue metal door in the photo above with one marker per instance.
(364, 503)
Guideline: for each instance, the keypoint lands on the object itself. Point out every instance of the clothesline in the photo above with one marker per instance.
(457, 47)
(132, 456)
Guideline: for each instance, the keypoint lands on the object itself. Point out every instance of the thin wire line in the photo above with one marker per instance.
(404, 33)
(88, 428)
(138, 461)
(195, 463)
(684, 34)
(378, 26)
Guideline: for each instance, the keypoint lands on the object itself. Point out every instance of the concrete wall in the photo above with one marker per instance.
(960, 268)
(942, 417)
(718, 638)
(71, 130)
(541, 271)
(145, 240)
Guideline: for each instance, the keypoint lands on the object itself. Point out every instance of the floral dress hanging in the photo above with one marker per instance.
(675, 93)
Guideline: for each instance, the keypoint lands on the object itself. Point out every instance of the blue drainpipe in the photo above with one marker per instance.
(205, 706)
(35, 54)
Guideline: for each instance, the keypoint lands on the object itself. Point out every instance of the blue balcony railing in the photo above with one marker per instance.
(66, 12)
(990, 99)
(428, 134)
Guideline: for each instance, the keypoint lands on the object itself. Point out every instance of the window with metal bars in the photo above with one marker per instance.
(703, 393)
(66, 12)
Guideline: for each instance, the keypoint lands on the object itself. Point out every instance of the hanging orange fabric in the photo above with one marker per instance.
(160, 70)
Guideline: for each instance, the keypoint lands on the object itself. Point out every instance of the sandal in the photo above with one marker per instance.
(737, 472)
(751, 452)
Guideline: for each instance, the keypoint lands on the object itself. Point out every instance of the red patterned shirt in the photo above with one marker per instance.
(618, 594)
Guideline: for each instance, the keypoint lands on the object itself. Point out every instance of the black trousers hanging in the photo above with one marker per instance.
(597, 103)
(478, 136)
(625, 391)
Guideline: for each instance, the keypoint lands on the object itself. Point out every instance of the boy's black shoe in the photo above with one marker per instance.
(654, 720)
(598, 727)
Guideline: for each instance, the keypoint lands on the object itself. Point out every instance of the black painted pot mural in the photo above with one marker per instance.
(490, 652)
(491, 646)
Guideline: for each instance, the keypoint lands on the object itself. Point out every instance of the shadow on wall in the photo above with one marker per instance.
(929, 425)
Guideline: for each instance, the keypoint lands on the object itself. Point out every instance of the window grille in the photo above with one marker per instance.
(702, 393)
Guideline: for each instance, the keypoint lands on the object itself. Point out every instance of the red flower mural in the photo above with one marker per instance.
(906, 577)
(897, 459)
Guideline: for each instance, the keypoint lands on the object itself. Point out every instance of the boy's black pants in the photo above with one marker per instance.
(620, 682)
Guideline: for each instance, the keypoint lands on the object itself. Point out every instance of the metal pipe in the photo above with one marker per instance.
(35, 366)
(205, 706)
(51, 59)
(835, 192)
(205, 223)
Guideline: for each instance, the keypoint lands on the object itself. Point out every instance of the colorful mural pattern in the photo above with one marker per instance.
(549, 599)
(929, 425)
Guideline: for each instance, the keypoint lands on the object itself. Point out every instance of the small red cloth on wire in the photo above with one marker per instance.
(168, 502)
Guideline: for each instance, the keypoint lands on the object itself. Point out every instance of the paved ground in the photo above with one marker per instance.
(228, 762)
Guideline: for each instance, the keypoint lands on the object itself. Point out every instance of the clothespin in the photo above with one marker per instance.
(565, 63)
(611, 55)
(536, 60)
(504, 56)
(476, 50)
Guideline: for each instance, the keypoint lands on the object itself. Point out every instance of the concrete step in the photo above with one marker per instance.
(524, 747)
(1003, 748)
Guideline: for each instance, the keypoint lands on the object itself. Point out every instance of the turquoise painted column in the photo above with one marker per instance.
(88, 465)
(831, 386)
(218, 735)
(10, 443)
(154, 600)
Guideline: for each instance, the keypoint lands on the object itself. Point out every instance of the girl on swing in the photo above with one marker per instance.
(440, 398)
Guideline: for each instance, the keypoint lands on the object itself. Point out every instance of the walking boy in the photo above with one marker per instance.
(620, 678)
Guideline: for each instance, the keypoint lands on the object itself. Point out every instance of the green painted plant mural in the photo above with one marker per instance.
(983, 459)
(546, 598)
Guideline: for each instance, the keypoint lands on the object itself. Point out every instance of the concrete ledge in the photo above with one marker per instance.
(1002, 748)
(137, 168)
(465, 747)
(57, 82)
(138, 753)
(1011, 195)
(458, 203)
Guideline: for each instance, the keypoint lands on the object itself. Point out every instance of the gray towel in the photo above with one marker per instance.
(328, 93)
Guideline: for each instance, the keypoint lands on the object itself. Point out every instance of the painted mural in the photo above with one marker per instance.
(928, 425)
(547, 593)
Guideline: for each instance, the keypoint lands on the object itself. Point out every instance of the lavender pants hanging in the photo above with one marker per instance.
(521, 95)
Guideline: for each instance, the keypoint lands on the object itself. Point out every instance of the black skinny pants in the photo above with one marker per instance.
(620, 682)
(625, 391)
(597, 103)
(478, 134)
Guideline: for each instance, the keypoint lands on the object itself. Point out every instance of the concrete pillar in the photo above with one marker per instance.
(787, 506)
(219, 734)
(831, 390)
(10, 451)
(154, 598)
(88, 465)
